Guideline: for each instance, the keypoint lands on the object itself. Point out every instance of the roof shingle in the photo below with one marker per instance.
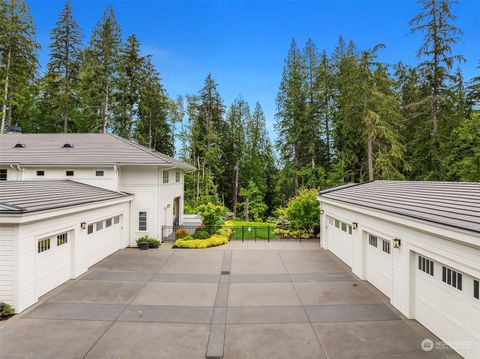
(455, 204)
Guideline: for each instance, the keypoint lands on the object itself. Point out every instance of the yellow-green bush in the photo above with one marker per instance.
(215, 240)
(227, 232)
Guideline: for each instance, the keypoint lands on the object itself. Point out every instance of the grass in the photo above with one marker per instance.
(251, 230)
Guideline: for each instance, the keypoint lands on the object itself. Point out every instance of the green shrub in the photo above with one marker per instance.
(212, 215)
(181, 233)
(200, 235)
(6, 310)
(227, 232)
(187, 238)
(215, 240)
(152, 242)
(303, 210)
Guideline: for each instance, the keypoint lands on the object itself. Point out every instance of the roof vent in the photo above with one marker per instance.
(19, 145)
(67, 145)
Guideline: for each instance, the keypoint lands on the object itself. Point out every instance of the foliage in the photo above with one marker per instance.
(303, 210)
(220, 237)
(212, 215)
(201, 235)
(181, 233)
(252, 202)
(152, 242)
(6, 310)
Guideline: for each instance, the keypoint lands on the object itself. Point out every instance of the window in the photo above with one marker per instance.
(40, 173)
(3, 174)
(337, 223)
(43, 245)
(142, 221)
(386, 246)
(90, 229)
(116, 220)
(62, 239)
(476, 289)
(344, 226)
(99, 226)
(331, 220)
(452, 277)
(108, 222)
(99, 173)
(425, 265)
(349, 229)
(372, 240)
(69, 173)
(165, 176)
(177, 176)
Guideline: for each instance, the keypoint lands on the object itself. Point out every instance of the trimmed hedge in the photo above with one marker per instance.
(152, 242)
(219, 238)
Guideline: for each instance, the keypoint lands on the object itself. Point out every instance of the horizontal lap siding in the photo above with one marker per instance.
(455, 254)
(8, 235)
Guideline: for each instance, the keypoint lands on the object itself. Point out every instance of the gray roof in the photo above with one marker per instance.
(88, 149)
(32, 196)
(455, 204)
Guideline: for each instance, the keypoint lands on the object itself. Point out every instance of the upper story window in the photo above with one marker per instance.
(3, 174)
(41, 173)
(99, 173)
(165, 176)
(452, 277)
(142, 221)
(70, 173)
(425, 265)
(177, 176)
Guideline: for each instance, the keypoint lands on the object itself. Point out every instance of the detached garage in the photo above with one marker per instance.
(419, 244)
(52, 231)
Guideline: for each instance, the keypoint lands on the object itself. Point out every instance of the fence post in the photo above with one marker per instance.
(268, 233)
(243, 233)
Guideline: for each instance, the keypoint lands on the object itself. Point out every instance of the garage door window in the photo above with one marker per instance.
(452, 277)
(372, 240)
(90, 229)
(425, 265)
(108, 222)
(476, 289)
(142, 221)
(43, 245)
(386, 246)
(99, 226)
(62, 239)
(116, 220)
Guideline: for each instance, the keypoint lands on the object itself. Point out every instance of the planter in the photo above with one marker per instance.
(143, 246)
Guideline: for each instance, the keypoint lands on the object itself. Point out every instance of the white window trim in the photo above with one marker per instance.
(138, 221)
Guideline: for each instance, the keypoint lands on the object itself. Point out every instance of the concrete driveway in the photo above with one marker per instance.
(273, 300)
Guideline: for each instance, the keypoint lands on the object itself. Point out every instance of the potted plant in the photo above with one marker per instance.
(142, 245)
(147, 242)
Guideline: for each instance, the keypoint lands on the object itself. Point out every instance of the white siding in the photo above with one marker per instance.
(8, 234)
(455, 254)
(152, 196)
(82, 175)
(29, 233)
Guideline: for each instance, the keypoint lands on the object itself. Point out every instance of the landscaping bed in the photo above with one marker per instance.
(201, 238)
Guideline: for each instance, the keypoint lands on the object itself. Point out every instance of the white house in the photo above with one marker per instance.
(419, 244)
(69, 200)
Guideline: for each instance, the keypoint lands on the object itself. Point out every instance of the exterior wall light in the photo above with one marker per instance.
(396, 243)
(322, 211)
(354, 225)
(83, 225)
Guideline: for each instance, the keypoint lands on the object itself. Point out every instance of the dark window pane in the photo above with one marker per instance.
(459, 281)
(444, 274)
(419, 262)
(476, 289)
(449, 276)
(454, 279)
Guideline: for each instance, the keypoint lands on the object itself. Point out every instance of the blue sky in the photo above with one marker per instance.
(244, 43)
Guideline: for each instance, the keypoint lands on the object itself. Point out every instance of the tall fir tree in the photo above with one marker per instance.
(99, 75)
(18, 63)
(60, 84)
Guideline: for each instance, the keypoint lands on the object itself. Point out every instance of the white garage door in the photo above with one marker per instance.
(340, 239)
(379, 264)
(54, 261)
(446, 302)
(103, 238)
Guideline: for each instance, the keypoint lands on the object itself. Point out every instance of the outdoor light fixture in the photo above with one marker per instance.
(396, 243)
(354, 225)
(322, 211)
(83, 225)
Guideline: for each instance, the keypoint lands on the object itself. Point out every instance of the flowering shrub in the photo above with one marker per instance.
(217, 239)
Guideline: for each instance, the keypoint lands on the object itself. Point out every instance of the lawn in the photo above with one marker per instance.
(251, 230)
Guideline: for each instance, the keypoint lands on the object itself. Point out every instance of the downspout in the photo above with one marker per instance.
(115, 169)
(18, 169)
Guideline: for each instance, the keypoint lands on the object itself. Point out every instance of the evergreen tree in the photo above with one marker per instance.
(474, 90)
(18, 62)
(129, 86)
(60, 85)
(435, 20)
(99, 74)
(252, 205)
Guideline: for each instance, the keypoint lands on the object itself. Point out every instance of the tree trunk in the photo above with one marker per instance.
(246, 210)
(370, 156)
(5, 96)
(235, 188)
